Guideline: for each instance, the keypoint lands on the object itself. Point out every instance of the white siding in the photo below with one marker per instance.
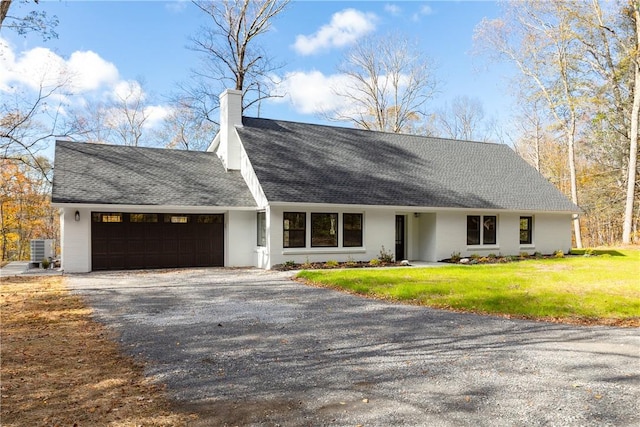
(230, 116)
(240, 238)
(75, 240)
(551, 232)
(378, 231)
(426, 238)
(249, 175)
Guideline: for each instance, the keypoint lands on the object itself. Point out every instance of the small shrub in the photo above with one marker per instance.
(474, 256)
(307, 264)
(331, 263)
(492, 256)
(524, 254)
(289, 264)
(455, 257)
(385, 256)
(374, 262)
(558, 254)
(537, 254)
(46, 263)
(350, 262)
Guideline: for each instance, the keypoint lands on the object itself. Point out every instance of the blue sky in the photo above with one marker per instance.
(110, 43)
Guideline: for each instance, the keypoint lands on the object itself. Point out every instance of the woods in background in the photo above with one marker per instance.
(578, 84)
(577, 91)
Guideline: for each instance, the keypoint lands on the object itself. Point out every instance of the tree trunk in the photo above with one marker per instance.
(4, 10)
(574, 184)
(633, 146)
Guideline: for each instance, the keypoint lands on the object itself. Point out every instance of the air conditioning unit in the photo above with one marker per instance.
(41, 249)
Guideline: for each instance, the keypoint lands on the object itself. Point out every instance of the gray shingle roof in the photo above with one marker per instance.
(297, 162)
(108, 174)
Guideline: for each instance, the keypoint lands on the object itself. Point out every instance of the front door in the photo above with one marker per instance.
(400, 237)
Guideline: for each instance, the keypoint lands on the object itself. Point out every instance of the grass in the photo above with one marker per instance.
(60, 368)
(600, 289)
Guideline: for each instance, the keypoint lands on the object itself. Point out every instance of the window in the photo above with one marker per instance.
(294, 227)
(210, 219)
(489, 230)
(106, 217)
(176, 219)
(261, 220)
(481, 229)
(526, 230)
(138, 217)
(324, 229)
(473, 230)
(351, 230)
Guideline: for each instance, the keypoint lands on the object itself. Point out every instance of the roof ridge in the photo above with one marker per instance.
(132, 147)
(410, 135)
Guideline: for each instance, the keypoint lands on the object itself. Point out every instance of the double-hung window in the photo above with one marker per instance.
(526, 230)
(261, 220)
(481, 230)
(295, 229)
(352, 230)
(324, 229)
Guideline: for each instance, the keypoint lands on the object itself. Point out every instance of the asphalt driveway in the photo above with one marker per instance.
(249, 347)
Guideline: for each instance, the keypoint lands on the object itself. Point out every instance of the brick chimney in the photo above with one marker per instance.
(230, 118)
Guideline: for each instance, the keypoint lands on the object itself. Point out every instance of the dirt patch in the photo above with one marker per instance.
(61, 368)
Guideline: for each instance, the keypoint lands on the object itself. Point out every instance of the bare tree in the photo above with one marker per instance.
(539, 40)
(633, 146)
(389, 82)
(231, 53)
(119, 120)
(28, 121)
(461, 119)
(34, 21)
(182, 129)
(532, 134)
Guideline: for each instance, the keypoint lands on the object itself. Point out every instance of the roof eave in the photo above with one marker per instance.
(152, 208)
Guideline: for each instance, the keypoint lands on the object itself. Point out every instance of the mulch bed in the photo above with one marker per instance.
(331, 265)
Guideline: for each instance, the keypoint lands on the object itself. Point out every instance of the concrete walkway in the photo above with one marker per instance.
(21, 268)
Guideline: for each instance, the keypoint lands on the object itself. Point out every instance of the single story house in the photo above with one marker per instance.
(271, 191)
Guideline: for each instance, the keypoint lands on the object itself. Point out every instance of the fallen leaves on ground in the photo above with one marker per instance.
(59, 367)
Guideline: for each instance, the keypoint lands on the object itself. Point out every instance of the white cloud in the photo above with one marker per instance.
(311, 92)
(89, 71)
(155, 115)
(345, 28)
(128, 90)
(315, 93)
(392, 9)
(41, 67)
(177, 6)
(425, 10)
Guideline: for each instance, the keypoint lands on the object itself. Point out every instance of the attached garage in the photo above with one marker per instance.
(121, 241)
(136, 208)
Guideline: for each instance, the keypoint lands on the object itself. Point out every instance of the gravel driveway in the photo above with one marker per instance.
(252, 347)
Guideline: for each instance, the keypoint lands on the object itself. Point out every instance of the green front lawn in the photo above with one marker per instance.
(604, 288)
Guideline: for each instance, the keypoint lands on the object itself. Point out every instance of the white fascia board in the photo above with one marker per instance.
(153, 208)
(425, 209)
(214, 144)
(250, 177)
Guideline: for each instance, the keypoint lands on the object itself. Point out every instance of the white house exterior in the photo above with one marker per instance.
(268, 192)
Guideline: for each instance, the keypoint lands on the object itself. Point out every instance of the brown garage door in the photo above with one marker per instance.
(121, 241)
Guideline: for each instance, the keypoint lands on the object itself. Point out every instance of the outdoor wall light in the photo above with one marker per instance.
(77, 216)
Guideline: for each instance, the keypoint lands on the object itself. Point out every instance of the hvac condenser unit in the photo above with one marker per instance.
(41, 249)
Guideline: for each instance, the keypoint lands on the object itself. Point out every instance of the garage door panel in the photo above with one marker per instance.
(126, 241)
